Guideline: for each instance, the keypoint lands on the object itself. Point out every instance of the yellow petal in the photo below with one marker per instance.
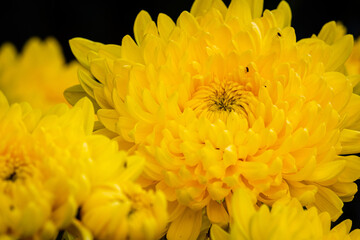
(256, 7)
(218, 190)
(340, 52)
(254, 170)
(350, 140)
(48, 231)
(200, 7)
(217, 233)
(165, 25)
(283, 14)
(341, 88)
(87, 81)
(88, 114)
(239, 9)
(99, 69)
(342, 228)
(141, 22)
(355, 234)
(186, 226)
(352, 113)
(175, 210)
(81, 48)
(304, 193)
(243, 208)
(188, 23)
(130, 51)
(328, 32)
(109, 118)
(327, 171)
(110, 51)
(100, 98)
(344, 190)
(327, 201)
(217, 213)
(352, 169)
(4, 105)
(136, 110)
(63, 215)
(134, 167)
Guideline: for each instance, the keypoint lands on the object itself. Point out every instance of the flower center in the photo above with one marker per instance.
(14, 168)
(12, 177)
(225, 98)
(217, 100)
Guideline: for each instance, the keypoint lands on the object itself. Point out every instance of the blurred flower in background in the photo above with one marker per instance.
(38, 74)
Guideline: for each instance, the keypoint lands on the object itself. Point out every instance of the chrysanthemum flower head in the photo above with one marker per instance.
(41, 180)
(285, 220)
(225, 97)
(125, 211)
(38, 75)
(117, 207)
(48, 165)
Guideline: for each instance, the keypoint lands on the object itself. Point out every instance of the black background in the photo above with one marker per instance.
(108, 21)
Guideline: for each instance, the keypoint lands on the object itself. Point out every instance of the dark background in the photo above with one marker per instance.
(108, 21)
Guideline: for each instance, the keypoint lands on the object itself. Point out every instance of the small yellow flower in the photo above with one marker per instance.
(38, 75)
(285, 220)
(48, 165)
(227, 98)
(125, 211)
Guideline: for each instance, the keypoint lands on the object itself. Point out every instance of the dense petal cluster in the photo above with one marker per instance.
(285, 220)
(42, 162)
(224, 98)
(125, 211)
(51, 163)
(38, 75)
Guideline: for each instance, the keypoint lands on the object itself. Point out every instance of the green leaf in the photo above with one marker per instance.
(64, 235)
(75, 93)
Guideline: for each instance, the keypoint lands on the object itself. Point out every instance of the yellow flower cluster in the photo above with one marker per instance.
(51, 164)
(220, 125)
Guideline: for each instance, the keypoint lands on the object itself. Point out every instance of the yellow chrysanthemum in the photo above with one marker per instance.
(285, 220)
(227, 98)
(38, 75)
(48, 164)
(118, 208)
(125, 211)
